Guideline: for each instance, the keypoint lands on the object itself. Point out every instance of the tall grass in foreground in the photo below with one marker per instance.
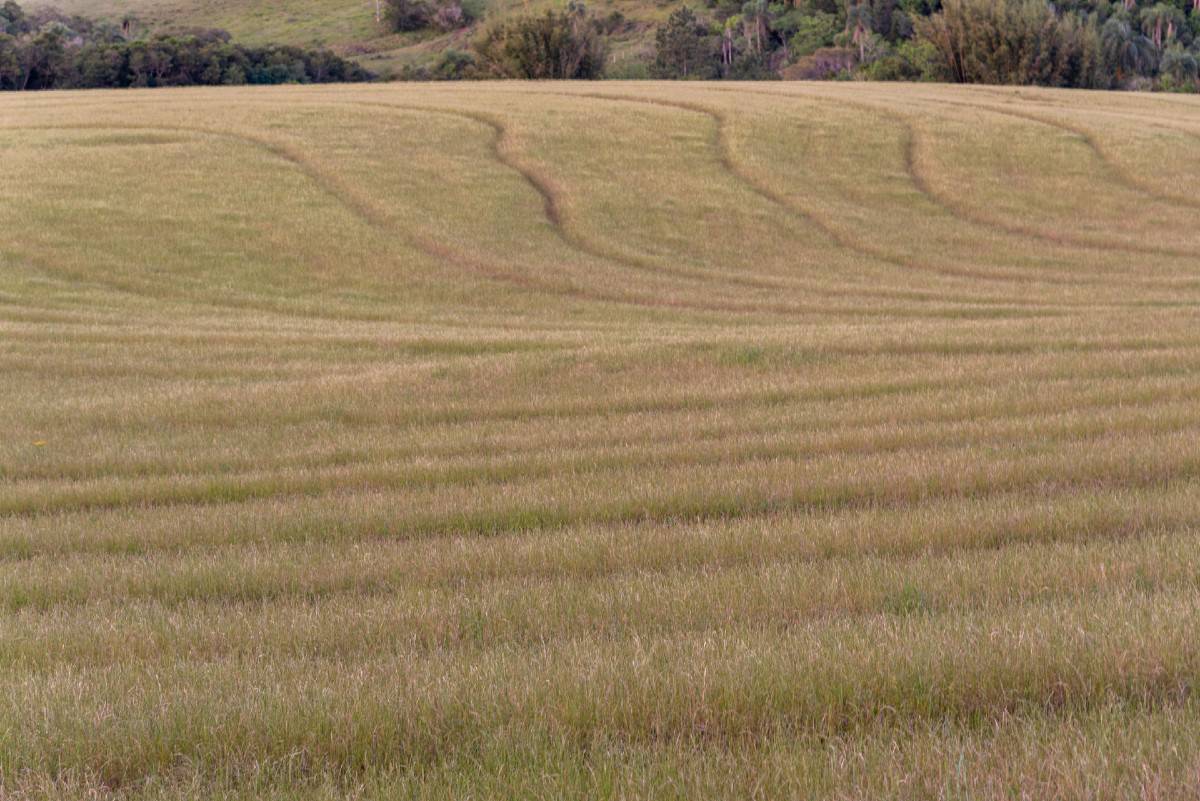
(634, 441)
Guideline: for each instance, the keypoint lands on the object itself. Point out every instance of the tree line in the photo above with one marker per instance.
(49, 50)
(1100, 44)
(1093, 44)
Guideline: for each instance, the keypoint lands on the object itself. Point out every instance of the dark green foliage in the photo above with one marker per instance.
(1016, 42)
(615, 22)
(908, 61)
(1126, 51)
(52, 51)
(554, 45)
(887, 18)
(1162, 23)
(10, 64)
(1070, 43)
(812, 32)
(12, 19)
(452, 65)
(1179, 68)
(686, 48)
(409, 15)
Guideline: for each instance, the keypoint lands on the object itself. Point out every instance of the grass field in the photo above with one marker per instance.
(608, 441)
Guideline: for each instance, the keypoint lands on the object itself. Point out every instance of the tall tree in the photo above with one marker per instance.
(1160, 22)
(1126, 50)
(860, 23)
(684, 48)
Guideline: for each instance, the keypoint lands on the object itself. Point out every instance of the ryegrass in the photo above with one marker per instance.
(599, 441)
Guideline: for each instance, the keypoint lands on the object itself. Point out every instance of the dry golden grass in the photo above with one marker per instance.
(610, 440)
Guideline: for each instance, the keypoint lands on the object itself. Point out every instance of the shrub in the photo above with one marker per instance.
(1015, 42)
(409, 15)
(454, 65)
(826, 63)
(554, 45)
(1179, 67)
(908, 61)
(812, 33)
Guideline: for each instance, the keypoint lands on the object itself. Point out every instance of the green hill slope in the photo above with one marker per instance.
(347, 27)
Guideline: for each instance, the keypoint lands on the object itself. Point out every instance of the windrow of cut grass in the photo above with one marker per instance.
(621, 441)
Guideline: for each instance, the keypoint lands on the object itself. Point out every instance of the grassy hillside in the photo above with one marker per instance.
(620, 441)
(346, 27)
(301, 22)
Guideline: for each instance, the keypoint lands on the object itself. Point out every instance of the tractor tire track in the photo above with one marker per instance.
(552, 200)
(913, 147)
(366, 212)
(753, 183)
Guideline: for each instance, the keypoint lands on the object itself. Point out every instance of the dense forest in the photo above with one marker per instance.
(1098, 44)
(49, 50)
(1128, 44)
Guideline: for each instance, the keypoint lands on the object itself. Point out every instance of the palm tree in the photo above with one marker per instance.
(754, 17)
(1161, 21)
(859, 23)
(727, 40)
(1180, 64)
(1127, 50)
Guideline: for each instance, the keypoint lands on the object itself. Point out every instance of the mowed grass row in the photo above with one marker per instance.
(623, 440)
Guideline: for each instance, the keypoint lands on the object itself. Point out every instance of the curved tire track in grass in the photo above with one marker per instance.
(1122, 174)
(551, 196)
(366, 212)
(152, 290)
(728, 159)
(726, 156)
(506, 153)
(913, 145)
(1133, 180)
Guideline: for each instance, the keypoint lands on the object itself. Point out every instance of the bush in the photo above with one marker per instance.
(454, 65)
(409, 15)
(168, 61)
(812, 33)
(908, 61)
(1015, 42)
(1179, 69)
(404, 16)
(826, 63)
(551, 46)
